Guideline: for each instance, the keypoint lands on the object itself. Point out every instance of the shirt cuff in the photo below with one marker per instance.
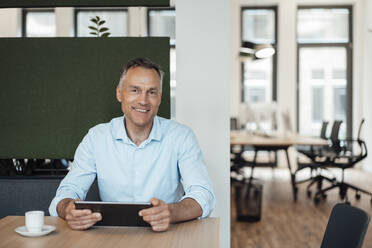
(203, 197)
(56, 200)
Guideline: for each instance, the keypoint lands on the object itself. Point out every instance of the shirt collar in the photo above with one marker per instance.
(155, 133)
(121, 132)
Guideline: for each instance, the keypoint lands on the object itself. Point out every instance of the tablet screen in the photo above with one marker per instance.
(116, 213)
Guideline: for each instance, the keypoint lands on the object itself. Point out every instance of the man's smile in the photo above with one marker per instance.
(141, 110)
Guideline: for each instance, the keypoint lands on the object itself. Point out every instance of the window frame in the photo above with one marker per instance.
(274, 93)
(349, 63)
(148, 30)
(28, 10)
(108, 9)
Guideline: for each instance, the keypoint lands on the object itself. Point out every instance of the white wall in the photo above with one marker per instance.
(10, 21)
(367, 78)
(137, 21)
(203, 75)
(64, 22)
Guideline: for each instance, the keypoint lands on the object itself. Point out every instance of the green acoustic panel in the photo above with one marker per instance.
(81, 3)
(52, 90)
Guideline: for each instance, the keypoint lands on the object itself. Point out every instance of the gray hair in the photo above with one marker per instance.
(145, 63)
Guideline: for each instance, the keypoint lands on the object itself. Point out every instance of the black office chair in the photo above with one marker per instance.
(346, 227)
(344, 154)
(309, 152)
(315, 152)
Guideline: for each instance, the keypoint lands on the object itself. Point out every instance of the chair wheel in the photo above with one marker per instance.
(308, 194)
(316, 200)
(357, 196)
(324, 196)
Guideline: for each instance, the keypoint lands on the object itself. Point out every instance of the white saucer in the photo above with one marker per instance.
(24, 232)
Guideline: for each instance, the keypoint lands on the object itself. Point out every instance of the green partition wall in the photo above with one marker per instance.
(52, 90)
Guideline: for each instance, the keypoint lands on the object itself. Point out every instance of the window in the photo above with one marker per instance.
(339, 74)
(256, 95)
(317, 74)
(162, 22)
(259, 76)
(323, 25)
(116, 21)
(317, 104)
(324, 68)
(339, 103)
(38, 23)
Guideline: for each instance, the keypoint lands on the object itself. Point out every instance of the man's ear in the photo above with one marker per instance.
(118, 93)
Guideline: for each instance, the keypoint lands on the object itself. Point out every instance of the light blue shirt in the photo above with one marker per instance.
(168, 165)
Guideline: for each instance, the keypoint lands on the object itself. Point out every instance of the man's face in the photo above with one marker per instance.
(140, 96)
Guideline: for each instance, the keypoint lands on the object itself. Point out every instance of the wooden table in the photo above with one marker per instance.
(246, 138)
(275, 143)
(197, 233)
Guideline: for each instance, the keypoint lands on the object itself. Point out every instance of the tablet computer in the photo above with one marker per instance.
(116, 213)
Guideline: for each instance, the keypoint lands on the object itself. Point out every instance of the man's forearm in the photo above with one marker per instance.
(62, 206)
(187, 209)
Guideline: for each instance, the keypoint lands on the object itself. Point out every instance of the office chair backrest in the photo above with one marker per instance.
(323, 130)
(346, 227)
(360, 129)
(334, 136)
(335, 131)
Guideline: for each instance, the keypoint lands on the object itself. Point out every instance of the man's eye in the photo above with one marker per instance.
(134, 90)
(153, 92)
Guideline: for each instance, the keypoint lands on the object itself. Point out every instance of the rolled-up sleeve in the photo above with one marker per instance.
(194, 175)
(80, 177)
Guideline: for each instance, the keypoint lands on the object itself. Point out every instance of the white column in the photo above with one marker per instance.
(137, 21)
(287, 60)
(236, 80)
(64, 22)
(10, 22)
(367, 80)
(203, 78)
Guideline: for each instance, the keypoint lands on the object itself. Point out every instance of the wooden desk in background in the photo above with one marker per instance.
(197, 233)
(275, 143)
(246, 138)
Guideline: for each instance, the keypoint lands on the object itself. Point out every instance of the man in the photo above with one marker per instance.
(138, 157)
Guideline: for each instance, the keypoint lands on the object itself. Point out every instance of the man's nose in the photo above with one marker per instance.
(143, 98)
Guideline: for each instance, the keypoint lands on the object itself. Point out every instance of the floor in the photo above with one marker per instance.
(285, 223)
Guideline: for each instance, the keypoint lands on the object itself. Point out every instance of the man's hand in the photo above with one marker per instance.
(158, 216)
(77, 219)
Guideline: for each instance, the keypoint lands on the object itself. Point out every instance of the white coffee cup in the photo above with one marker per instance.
(34, 221)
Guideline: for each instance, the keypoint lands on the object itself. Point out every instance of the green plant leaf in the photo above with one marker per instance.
(97, 17)
(105, 34)
(93, 20)
(93, 33)
(93, 28)
(101, 22)
(103, 30)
